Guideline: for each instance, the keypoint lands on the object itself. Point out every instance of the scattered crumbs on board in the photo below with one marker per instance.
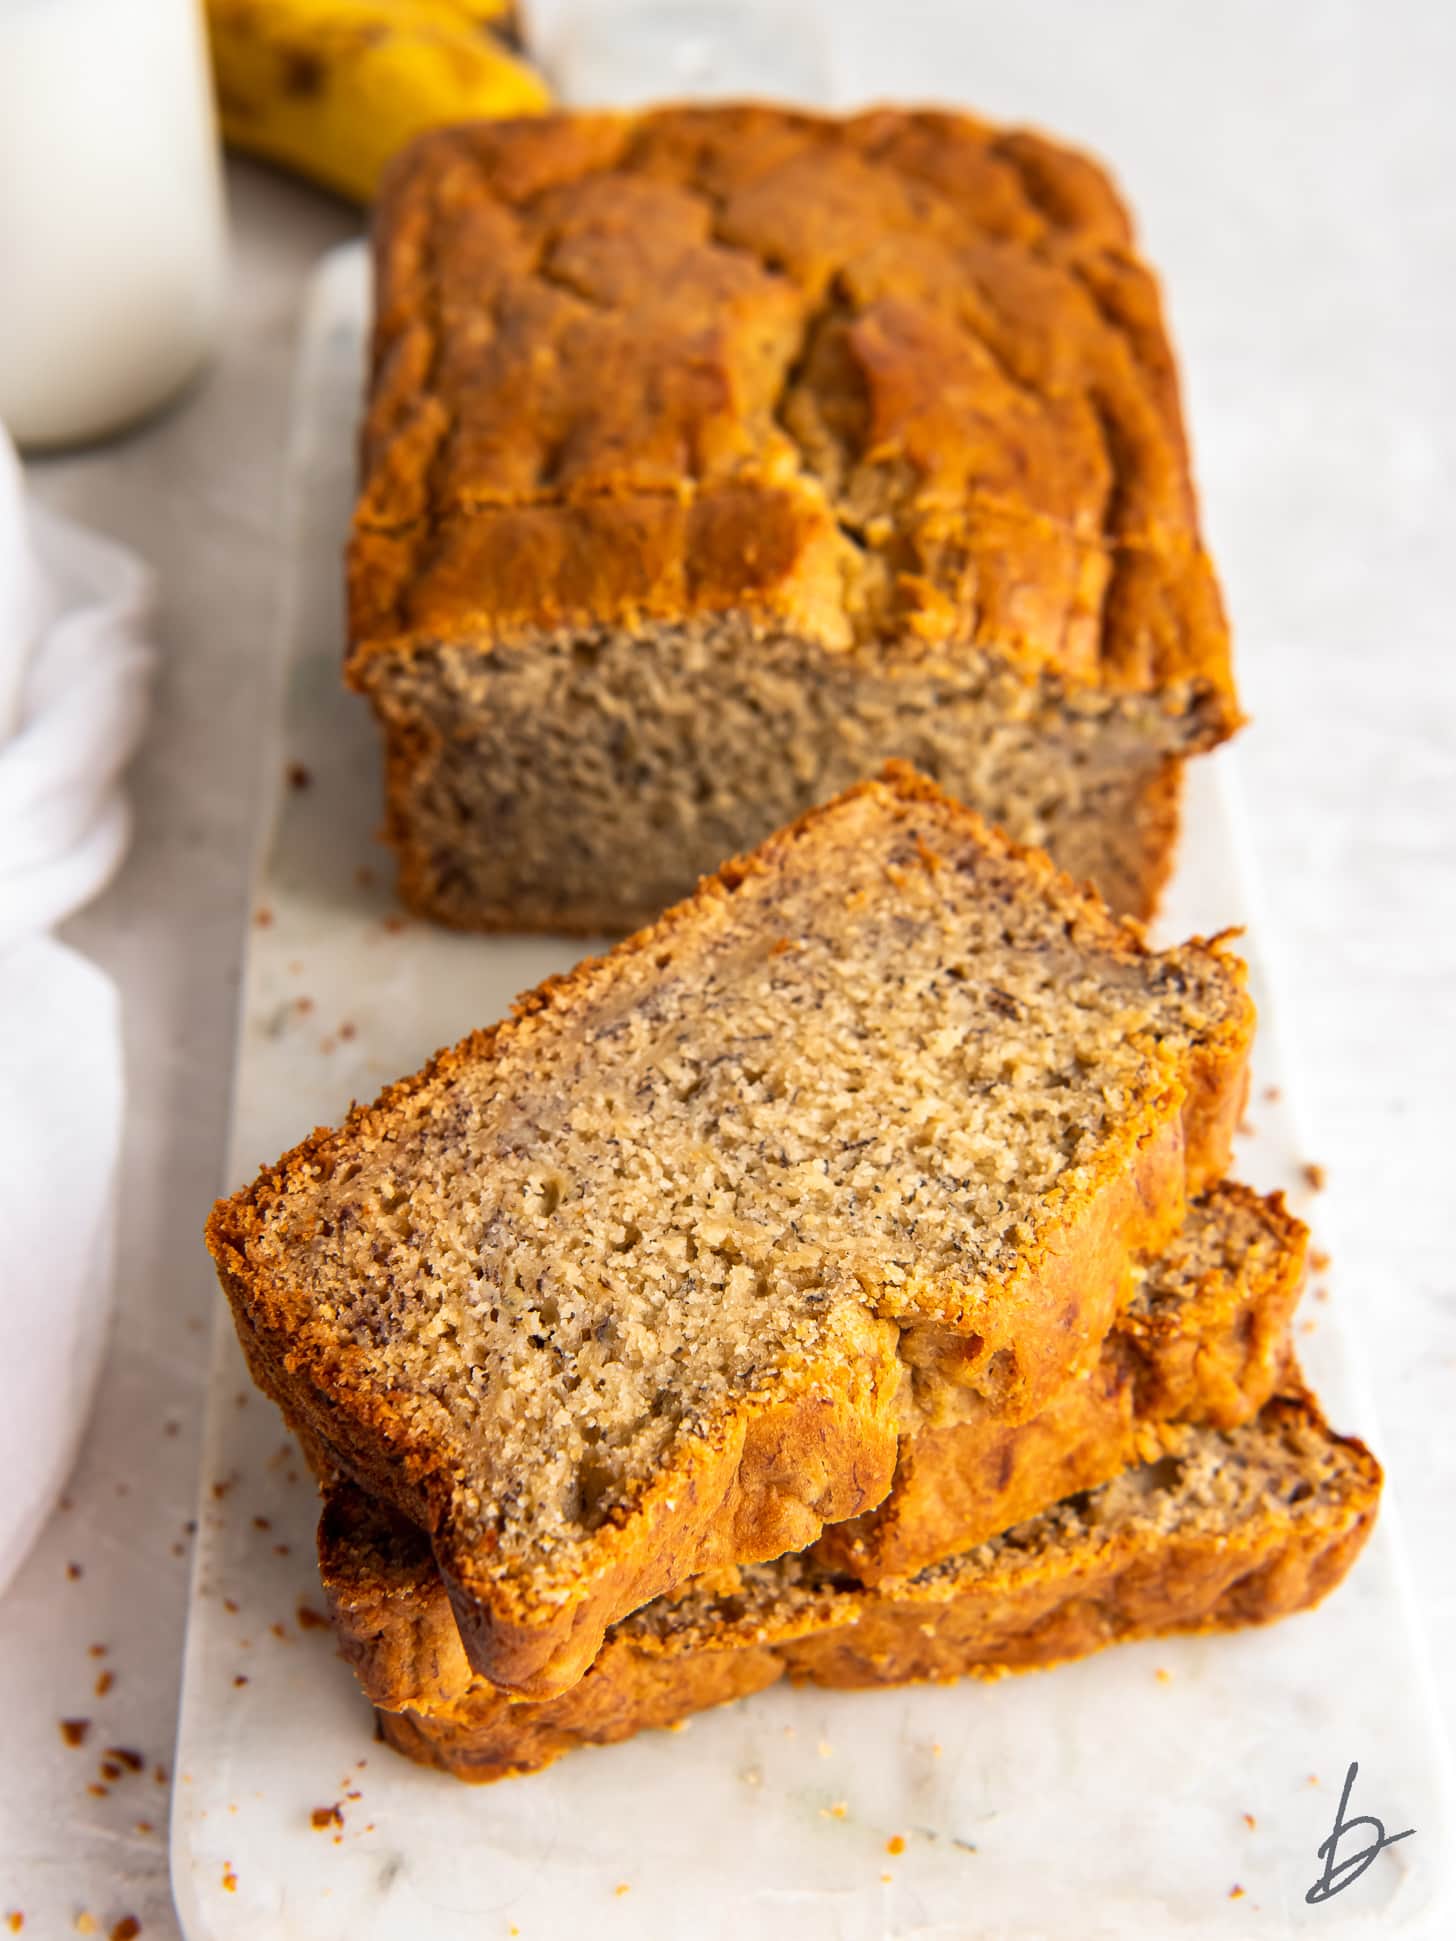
(895, 1844)
(326, 1816)
(85, 1923)
(836, 1810)
(126, 1929)
(1236, 1893)
(1314, 1176)
(1319, 1260)
(74, 1571)
(299, 777)
(74, 1731)
(1250, 1821)
(15, 1920)
(310, 1619)
(1163, 1675)
(263, 918)
(622, 1887)
(104, 1682)
(229, 1878)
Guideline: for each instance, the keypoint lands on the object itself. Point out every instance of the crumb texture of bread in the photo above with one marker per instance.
(1234, 1527)
(887, 1105)
(715, 455)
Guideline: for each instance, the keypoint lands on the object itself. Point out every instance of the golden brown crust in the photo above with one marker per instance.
(1007, 1613)
(823, 1450)
(1216, 1356)
(899, 374)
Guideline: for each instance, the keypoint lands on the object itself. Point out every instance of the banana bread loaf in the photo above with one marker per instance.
(1228, 1528)
(715, 455)
(649, 1279)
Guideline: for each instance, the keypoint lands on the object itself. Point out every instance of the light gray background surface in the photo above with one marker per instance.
(1294, 171)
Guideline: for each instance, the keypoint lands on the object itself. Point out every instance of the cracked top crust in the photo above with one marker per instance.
(898, 378)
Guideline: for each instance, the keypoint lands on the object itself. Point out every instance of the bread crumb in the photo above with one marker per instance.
(895, 1843)
(126, 1929)
(323, 1816)
(133, 1761)
(299, 777)
(263, 918)
(229, 1878)
(348, 1030)
(1163, 1676)
(15, 1920)
(241, 1678)
(1321, 1293)
(1236, 1893)
(261, 1523)
(622, 1887)
(1273, 1094)
(887, 1878)
(74, 1731)
(104, 1683)
(98, 1791)
(937, 1750)
(281, 1549)
(144, 1826)
(1314, 1177)
(838, 1811)
(73, 1571)
(96, 1651)
(1249, 1820)
(310, 1620)
(230, 1605)
(1319, 1260)
(110, 1769)
(85, 1923)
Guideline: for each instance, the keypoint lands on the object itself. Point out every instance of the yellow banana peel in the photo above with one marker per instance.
(335, 88)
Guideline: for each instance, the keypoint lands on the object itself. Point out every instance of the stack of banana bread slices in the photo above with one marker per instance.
(839, 1279)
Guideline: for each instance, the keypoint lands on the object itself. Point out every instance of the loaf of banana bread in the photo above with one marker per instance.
(717, 454)
(1225, 1528)
(650, 1279)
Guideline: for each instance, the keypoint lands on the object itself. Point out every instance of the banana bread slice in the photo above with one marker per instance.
(631, 1287)
(1230, 1527)
(715, 455)
(1205, 1339)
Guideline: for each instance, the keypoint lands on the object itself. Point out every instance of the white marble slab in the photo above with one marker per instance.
(1127, 1796)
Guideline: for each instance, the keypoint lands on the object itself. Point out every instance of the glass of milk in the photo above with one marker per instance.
(111, 212)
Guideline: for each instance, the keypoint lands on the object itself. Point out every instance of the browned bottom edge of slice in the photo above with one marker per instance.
(1242, 1527)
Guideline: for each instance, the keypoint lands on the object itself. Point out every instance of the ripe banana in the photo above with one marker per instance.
(333, 88)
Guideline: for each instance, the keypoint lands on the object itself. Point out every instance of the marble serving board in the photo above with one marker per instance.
(1177, 1788)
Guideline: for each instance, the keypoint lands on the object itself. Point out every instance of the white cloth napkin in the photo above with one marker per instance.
(74, 670)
